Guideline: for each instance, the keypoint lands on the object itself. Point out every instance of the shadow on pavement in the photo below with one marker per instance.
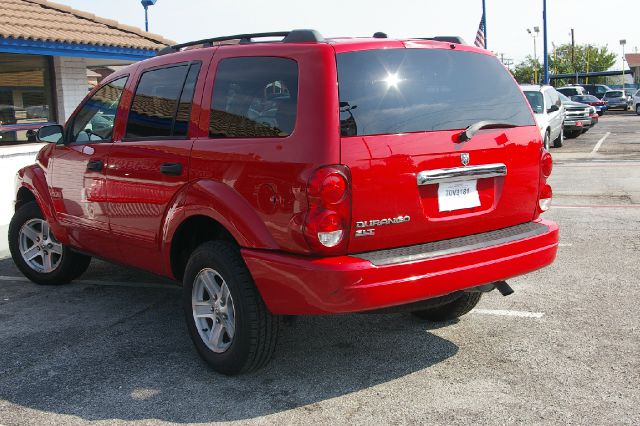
(100, 352)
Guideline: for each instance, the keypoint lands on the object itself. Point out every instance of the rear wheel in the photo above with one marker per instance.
(231, 328)
(37, 253)
(451, 310)
(638, 109)
(557, 143)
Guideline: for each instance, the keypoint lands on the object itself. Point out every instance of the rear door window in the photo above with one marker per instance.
(254, 97)
(161, 106)
(414, 90)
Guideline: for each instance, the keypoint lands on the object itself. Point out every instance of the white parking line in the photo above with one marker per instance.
(104, 283)
(599, 144)
(505, 313)
(565, 245)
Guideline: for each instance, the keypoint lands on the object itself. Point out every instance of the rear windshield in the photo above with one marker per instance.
(614, 94)
(413, 90)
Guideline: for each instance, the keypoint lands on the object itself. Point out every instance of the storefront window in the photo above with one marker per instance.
(25, 96)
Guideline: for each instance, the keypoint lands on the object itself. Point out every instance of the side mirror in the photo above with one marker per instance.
(50, 134)
(553, 108)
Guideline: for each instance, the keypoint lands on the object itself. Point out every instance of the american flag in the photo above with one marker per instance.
(480, 34)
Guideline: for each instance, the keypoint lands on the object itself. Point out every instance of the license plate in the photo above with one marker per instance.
(458, 195)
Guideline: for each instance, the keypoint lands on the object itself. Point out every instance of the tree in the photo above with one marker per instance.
(586, 58)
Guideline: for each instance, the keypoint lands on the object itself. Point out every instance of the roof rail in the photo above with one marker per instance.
(447, 39)
(294, 36)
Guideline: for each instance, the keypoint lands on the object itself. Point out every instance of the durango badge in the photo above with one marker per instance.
(377, 222)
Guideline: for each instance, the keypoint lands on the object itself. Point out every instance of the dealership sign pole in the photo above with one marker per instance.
(546, 54)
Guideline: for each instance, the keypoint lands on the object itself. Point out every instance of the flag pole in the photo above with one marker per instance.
(484, 18)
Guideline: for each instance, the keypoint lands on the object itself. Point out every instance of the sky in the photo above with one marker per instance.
(594, 21)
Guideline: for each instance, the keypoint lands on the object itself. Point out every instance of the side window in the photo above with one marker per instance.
(94, 122)
(161, 106)
(547, 100)
(254, 97)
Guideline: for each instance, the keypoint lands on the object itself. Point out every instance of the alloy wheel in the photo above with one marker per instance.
(213, 310)
(38, 246)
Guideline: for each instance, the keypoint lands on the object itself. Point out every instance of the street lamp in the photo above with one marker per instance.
(534, 34)
(622, 43)
(146, 4)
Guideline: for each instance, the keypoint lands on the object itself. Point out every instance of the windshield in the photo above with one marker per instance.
(614, 94)
(414, 90)
(536, 101)
(563, 98)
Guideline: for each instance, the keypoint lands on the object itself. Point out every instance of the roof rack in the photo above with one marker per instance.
(447, 39)
(294, 36)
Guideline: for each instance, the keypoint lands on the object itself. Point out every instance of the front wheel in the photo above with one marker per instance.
(37, 253)
(451, 310)
(547, 137)
(638, 109)
(231, 328)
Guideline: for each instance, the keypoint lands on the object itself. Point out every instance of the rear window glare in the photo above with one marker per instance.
(413, 90)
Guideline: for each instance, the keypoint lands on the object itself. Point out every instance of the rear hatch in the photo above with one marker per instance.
(401, 113)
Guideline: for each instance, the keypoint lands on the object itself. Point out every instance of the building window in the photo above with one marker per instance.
(25, 96)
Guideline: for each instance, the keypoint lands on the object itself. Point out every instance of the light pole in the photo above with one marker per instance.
(622, 43)
(534, 34)
(544, 40)
(146, 4)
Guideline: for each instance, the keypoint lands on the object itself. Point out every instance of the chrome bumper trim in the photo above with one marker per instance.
(457, 174)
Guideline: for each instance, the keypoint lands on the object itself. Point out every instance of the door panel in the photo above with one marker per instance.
(78, 174)
(150, 163)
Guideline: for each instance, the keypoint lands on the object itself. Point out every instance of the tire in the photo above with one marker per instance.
(30, 249)
(573, 134)
(546, 140)
(455, 309)
(638, 109)
(559, 141)
(232, 330)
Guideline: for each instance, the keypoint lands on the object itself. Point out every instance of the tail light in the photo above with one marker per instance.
(545, 194)
(328, 220)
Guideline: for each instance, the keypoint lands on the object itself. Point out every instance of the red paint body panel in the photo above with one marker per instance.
(297, 285)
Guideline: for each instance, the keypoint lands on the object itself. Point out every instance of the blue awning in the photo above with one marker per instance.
(50, 48)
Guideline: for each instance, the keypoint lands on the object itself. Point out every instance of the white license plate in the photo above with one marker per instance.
(458, 195)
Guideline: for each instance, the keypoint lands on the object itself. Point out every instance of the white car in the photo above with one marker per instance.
(549, 113)
(570, 91)
(635, 103)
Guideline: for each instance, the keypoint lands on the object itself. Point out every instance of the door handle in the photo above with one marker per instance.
(95, 165)
(173, 169)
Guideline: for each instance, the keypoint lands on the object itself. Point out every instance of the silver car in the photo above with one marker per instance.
(617, 99)
(549, 113)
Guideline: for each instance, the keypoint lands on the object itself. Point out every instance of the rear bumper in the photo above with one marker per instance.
(295, 285)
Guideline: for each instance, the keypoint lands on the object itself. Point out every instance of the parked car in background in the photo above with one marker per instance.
(600, 106)
(242, 172)
(597, 90)
(577, 118)
(594, 116)
(14, 134)
(549, 113)
(636, 102)
(572, 90)
(616, 99)
(629, 93)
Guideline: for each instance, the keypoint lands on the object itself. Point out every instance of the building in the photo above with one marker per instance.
(50, 55)
(633, 62)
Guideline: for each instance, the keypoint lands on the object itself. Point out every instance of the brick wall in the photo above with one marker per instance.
(71, 84)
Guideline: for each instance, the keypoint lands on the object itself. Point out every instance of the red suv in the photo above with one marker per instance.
(291, 177)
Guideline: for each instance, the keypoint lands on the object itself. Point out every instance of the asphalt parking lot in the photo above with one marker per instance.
(113, 347)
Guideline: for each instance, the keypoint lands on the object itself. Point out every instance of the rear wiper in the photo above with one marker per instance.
(471, 131)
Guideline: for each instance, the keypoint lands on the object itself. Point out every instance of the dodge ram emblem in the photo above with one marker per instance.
(464, 158)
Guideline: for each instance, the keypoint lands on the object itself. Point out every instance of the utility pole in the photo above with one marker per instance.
(534, 35)
(622, 43)
(573, 54)
(544, 36)
(484, 18)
